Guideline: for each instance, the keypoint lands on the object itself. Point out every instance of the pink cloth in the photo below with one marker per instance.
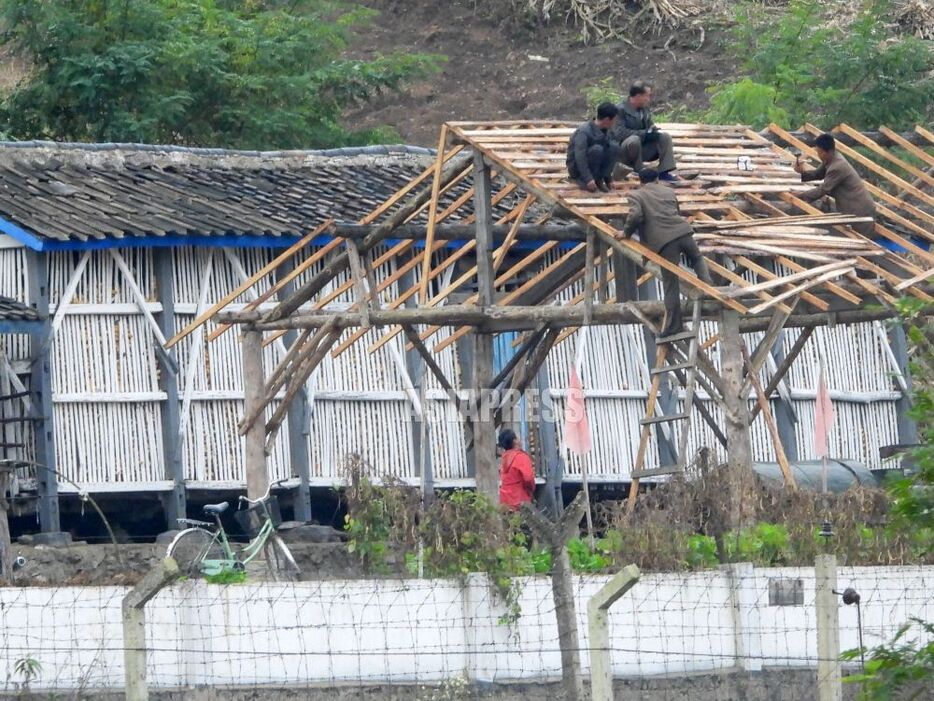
(823, 416)
(576, 428)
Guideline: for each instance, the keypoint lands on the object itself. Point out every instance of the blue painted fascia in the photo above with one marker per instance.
(21, 235)
(222, 241)
(26, 327)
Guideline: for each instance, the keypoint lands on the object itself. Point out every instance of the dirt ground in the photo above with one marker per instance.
(125, 564)
(495, 70)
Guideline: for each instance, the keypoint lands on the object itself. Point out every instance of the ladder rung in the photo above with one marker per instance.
(671, 368)
(663, 418)
(676, 338)
(657, 472)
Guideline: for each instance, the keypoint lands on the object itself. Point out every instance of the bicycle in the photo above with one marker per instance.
(198, 550)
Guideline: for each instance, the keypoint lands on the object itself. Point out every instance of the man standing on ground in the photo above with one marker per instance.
(640, 138)
(516, 474)
(654, 213)
(592, 153)
(841, 181)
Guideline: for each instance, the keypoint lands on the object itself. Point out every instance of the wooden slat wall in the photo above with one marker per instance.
(110, 356)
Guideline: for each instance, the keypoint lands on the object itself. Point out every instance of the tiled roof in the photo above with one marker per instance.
(79, 193)
(11, 310)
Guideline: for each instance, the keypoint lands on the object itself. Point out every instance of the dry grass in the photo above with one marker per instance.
(915, 17)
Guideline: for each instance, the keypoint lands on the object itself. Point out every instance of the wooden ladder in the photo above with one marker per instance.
(687, 363)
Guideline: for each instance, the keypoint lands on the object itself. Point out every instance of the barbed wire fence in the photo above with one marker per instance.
(671, 632)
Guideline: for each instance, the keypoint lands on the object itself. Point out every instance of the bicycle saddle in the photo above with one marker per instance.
(216, 509)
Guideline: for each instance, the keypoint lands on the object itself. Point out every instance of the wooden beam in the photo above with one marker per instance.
(521, 317)
(483, 212)
(433, 212)
(230, 297)
(785, 365)
(257, 478)
(762, 402)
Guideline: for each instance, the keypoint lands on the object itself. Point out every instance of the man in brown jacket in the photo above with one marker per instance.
(841, 182)
(654, 212)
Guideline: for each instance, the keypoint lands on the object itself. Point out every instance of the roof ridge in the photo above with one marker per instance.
(345, 151)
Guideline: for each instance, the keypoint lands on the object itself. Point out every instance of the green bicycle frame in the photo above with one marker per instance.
(230, 561)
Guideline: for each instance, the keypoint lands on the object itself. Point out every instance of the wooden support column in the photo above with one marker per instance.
(736, 414)
(484, 438)
(175, 502)
(625, 275)
(421, 426)
(40, 389)
(298, 419)
(257, 480)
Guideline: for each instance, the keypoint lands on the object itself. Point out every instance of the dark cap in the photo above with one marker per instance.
(648, 175)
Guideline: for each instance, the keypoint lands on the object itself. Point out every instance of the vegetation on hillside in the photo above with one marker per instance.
(808, 65)
(257, 74)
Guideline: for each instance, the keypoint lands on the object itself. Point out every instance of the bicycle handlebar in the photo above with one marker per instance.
(266, 495)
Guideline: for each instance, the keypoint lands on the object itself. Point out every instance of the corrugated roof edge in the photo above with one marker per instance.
(376, 150)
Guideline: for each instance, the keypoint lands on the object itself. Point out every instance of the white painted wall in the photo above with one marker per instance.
(426, 630)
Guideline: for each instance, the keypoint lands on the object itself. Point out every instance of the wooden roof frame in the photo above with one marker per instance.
(822, 271)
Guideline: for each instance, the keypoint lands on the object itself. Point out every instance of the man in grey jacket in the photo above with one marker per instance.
(655, 214)
(639, 137)
(592, 153)
(841, 181)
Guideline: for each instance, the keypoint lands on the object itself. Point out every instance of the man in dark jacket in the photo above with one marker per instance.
(841, 182)
(592, 153)
(639, 137)
(654, 212)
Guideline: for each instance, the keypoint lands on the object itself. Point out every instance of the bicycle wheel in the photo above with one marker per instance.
(280, 558)
(191, 547)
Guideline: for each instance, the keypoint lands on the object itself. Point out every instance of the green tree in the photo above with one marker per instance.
(254, 74)
(806, 66)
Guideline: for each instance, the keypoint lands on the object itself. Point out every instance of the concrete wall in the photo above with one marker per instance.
(392, 632)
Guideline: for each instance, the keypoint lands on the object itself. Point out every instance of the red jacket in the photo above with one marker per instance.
(516, 478)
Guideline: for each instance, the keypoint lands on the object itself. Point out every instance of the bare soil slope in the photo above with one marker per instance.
(491, 73)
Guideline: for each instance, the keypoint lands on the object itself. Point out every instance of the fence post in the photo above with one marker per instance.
(598, 624)
(746, 644)
(134, 626)
(829, 682)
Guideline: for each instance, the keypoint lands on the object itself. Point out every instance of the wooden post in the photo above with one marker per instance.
(257, 481)
(175, 502)
(40, 388)
(598, 624)
(484, 427)
(487, 473)
(298, 420)
(6, 547)
(736, 414)
(556, 535)
(134, 626)
(625, 274)
(421, 427)
(829, 681)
